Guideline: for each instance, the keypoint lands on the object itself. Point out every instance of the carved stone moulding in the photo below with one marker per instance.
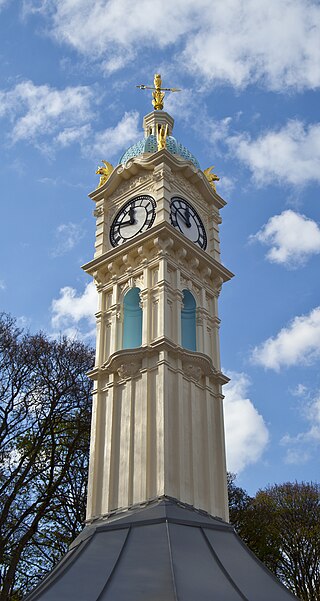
(129, 370)
(193, 372)
(137, 184)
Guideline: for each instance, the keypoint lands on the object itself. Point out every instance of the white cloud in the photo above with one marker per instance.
(51, 118)
(292, 238)
(40, 110)
(299, 448)
(109, 142)
(246, 432)
(2, 285)
(226, 185)
(289, 155)
(111, 28)
(67, 237)
(73, 313)
(296, 456)
(299, 390)
(70, 135)
(240, 42)
(298, 343)
(234, 42)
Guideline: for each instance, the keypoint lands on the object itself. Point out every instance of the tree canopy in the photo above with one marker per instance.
(281, 525)
(44, 437)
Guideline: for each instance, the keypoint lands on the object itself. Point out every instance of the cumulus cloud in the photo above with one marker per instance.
(298, 343)
(70, 135)
(73, 313)
(246, 432)
(53, 119)
(292, 238)
(38, 110)
(113, 139)
(300, 448)
(67, 237)
(240, 45)
(289, 155)
(229, 42)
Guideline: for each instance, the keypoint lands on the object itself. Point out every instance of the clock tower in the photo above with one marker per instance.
(157, 513)
(157, 426)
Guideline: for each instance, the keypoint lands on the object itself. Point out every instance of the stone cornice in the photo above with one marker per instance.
(169, 241)
(147, 162)
(128, 362)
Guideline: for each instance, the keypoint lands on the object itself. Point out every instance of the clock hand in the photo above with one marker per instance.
(185, 217)
(132, 220)
(132, 215)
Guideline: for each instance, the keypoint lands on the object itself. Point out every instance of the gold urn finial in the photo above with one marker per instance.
(158, 92)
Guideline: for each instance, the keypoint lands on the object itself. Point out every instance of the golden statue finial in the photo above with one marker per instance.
(211, 177)
(104, 173)
(162, 133)
(158, 92)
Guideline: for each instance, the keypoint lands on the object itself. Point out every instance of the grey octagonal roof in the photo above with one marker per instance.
(164, 551)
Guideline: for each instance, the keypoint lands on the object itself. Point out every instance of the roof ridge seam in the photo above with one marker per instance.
(222, 568)
(171, 562)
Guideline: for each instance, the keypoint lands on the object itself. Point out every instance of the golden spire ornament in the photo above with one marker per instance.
(158, 93)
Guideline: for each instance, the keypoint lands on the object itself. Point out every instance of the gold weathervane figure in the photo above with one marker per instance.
(158, 93)
(104, 172)
(211, 177)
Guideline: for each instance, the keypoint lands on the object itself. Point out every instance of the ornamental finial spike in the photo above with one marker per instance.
(158, 93)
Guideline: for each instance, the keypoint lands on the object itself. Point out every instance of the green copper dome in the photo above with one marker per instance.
(149, 144)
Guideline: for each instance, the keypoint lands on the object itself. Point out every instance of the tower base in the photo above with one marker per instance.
(161, 551)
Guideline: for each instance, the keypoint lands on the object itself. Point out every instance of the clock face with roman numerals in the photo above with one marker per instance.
(135, 217)
(185, 218)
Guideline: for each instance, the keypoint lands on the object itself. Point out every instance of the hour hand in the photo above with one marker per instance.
(131, 220)
(187, 216)
(132, 212)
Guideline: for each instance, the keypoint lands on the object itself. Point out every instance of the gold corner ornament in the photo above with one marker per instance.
(104, 172)
(158, 93)
(211, 177)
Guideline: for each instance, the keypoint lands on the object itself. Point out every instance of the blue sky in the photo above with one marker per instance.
(250, 75)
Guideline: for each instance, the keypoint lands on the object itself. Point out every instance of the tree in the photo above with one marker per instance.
(281, 525)
(239, 501)
(45, 403)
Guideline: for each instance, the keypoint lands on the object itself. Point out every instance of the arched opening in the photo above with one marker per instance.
(188, 321)
(132, 319)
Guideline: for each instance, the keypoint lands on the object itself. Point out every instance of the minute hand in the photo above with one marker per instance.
(185, 216)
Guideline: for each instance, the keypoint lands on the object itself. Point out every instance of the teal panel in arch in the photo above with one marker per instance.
(132, 319)
(188, 321)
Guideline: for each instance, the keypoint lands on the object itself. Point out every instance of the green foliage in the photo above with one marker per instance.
(281, 525)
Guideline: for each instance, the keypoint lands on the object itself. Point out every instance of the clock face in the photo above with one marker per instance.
(185, 218)
(135, 217)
